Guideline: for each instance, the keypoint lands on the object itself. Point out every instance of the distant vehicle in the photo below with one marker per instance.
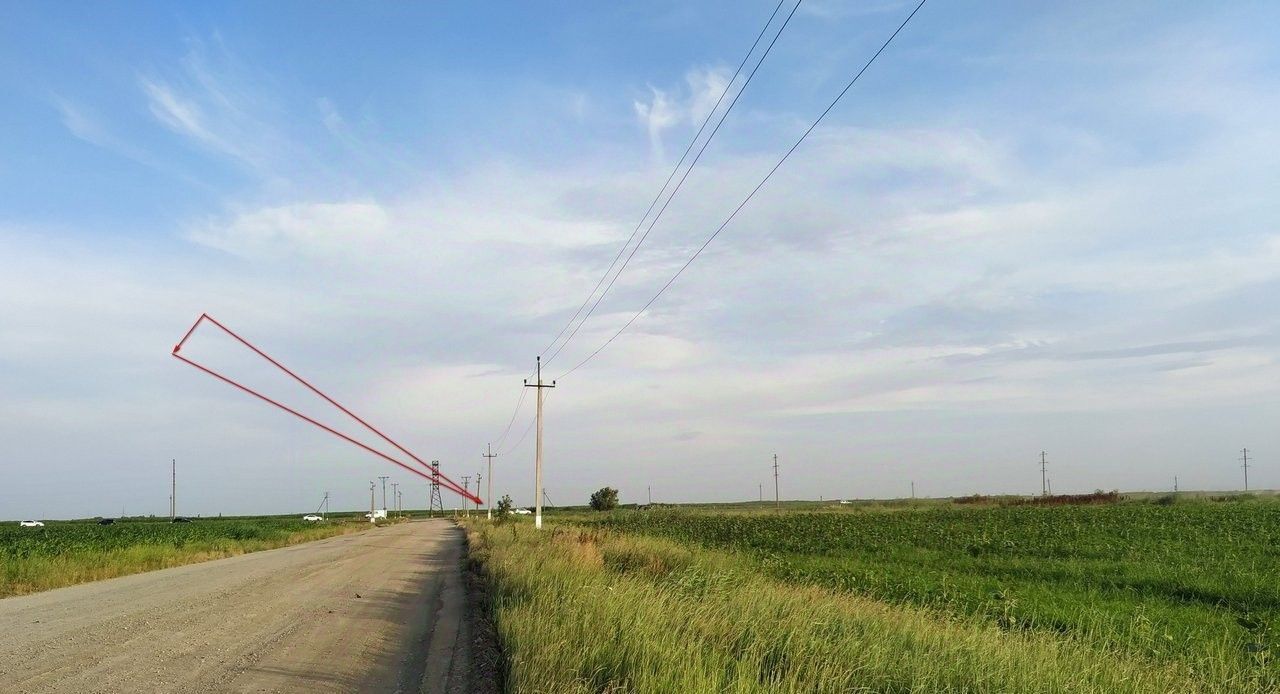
(180, 519)
(378, 513)
(521, 511)
(845, 501)
(31, 524)
(311, 517)
(106, 521)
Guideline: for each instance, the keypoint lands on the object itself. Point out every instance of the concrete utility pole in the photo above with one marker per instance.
(395, 497)
(649, 490)
(537, 465)
(372, 486)
(1245, 451)
(761, 492)
(437, 504)
(466, 484)
(173, 489)
(479, 476)
(1175, 484)
(384, 479)
(488, 497)
(913, 489)
(1044, 478)
(776, 502)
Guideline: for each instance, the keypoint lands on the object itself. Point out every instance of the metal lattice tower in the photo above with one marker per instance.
(437, 504)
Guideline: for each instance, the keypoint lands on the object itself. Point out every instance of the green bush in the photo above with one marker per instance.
(604, 499)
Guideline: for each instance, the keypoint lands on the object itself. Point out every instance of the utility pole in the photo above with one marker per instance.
(384, 479)
(537, 465)
(1245, 451)
(488, 497)
(372, 486)
(466, 484)
(436, 502)
(913, 489)
(1044, 478)
(479, 476)
(1175, 484)
(776, 502)
(761, 492)
(547, 499)
(649, 489)
(395, 497)
(173, 489)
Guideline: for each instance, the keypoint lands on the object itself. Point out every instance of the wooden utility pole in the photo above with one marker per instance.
(173, 489)
(1245, 451)
(776, 502)
(537, 465)
(1044, 478)
(488, 497)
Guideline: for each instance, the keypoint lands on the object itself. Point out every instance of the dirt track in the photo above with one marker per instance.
(382, 611)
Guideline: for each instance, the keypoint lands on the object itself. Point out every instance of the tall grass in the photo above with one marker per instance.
(594, 611)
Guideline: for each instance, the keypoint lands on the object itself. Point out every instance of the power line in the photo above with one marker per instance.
(532, 420)
(768, 49)
(753, 192)
(663, 189)
(514, 414)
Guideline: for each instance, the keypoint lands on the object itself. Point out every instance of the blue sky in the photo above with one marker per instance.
(1029, 226)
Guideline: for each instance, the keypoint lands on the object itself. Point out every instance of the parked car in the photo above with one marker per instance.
(311, 517)
(521, 511)
(106, 521)
(180, 519)
(31, 524)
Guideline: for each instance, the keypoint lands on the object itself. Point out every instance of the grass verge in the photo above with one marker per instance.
(581, 610)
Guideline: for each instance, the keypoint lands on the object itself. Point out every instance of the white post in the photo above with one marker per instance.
(537, 518)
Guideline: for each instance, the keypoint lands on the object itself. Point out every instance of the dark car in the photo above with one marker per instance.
(180, 519)
(106, 521)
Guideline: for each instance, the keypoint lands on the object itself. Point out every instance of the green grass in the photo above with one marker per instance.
(1189, 585)
(581, 610)
(66, 553)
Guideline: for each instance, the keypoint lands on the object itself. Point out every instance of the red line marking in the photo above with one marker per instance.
(317, 391)
(433, 476)
(184, 337)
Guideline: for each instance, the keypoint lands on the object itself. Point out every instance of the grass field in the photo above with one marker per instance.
(1133, 596)
(66, 553)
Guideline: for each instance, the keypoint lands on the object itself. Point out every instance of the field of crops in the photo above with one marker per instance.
(1191, 585)
(60, 554)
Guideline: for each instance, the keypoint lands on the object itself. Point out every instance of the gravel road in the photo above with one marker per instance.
(380, 611)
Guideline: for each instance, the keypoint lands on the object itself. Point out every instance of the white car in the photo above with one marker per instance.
(311, 517)
(31, 524)
(521, 511)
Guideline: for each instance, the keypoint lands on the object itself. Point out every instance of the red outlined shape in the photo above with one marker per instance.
(432, 475)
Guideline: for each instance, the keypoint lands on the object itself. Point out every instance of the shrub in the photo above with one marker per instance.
(504, 508)
(604, 499)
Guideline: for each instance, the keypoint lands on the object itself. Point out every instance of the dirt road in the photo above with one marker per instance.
(380, 611)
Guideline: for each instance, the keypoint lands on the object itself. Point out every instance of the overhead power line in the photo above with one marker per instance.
(753, 192)
(679, 184)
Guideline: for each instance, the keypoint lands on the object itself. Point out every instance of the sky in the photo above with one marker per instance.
(1028, 227)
